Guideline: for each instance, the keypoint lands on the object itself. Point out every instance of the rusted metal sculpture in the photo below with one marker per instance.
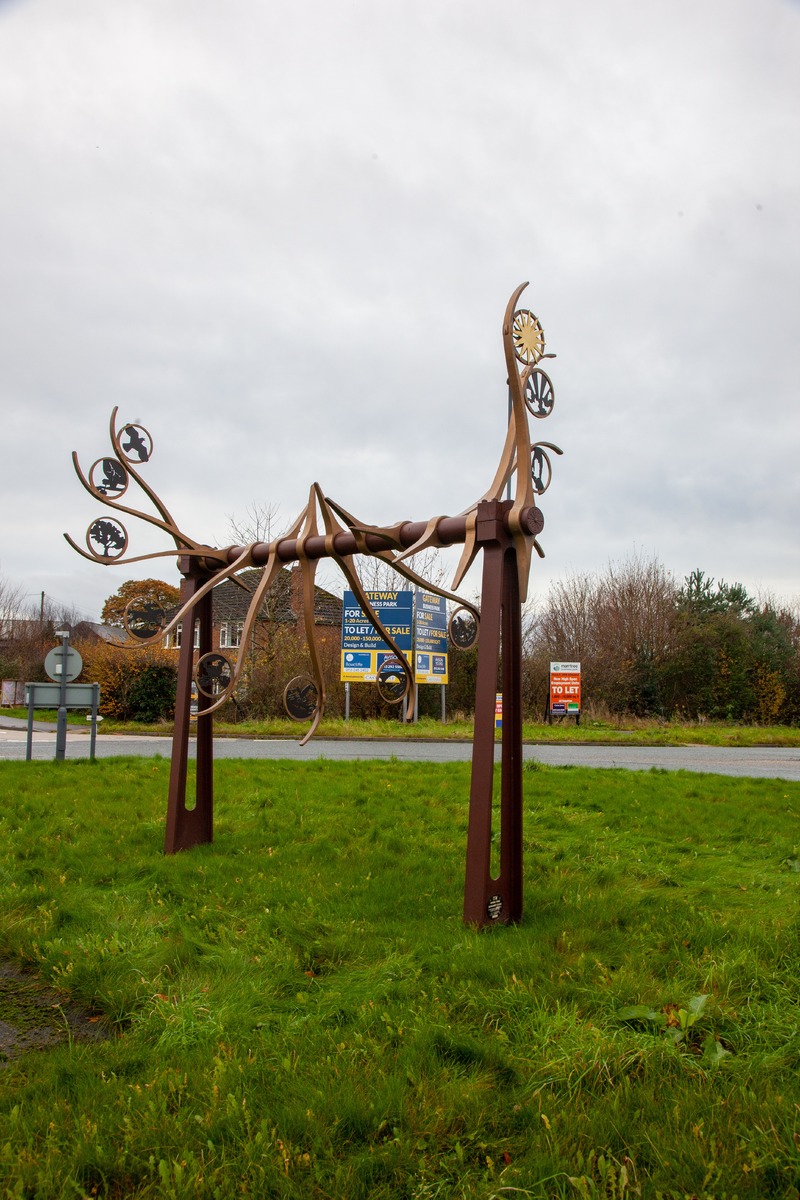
(504, 531)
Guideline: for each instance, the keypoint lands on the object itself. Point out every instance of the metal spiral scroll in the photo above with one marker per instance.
(107, 541)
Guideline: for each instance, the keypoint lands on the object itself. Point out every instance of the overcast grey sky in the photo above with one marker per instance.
(283, 237)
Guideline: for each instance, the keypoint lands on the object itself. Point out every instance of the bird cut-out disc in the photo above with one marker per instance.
(300, 698)
(108, 477)
(136, 444)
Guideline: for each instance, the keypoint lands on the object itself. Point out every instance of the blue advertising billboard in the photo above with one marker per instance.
(416, 621)
(363, 649)
(430, 638)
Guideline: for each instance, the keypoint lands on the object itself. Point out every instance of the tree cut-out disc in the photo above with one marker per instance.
(110, 535)
(108, 477)
(214, 675)
(528, 337)
(300, 698)
(136, 444)
(463, 628)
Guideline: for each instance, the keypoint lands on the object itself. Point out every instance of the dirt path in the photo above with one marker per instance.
(34, 1015)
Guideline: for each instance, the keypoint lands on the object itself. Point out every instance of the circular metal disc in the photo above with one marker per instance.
(528, 337)
(214, 675)
(391, 681)
(300, 698)
(136, 444)
(144, 618)
(539, 394)
(110, 534)
(108, 477)
(541, 470)
(463, 628)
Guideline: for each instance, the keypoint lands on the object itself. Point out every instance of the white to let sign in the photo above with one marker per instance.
(565, 689)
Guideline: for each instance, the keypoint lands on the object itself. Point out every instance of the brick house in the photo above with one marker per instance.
(282, 606)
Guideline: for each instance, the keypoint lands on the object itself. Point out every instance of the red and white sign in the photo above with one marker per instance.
(565, 689)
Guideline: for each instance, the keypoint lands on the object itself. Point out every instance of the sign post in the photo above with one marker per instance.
(62, 665)
(565, 691)
(75, 695)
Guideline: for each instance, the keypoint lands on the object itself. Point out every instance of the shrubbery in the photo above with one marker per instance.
(649, 646)
(136, 684)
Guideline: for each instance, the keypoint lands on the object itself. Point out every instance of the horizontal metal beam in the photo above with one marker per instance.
(450, 531)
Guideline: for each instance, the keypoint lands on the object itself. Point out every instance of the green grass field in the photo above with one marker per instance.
(298, 1011)
(625, 731)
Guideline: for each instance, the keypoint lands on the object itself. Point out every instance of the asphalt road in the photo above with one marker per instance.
(760, 762)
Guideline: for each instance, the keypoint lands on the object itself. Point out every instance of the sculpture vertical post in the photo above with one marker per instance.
(489, 900)
(191, 827)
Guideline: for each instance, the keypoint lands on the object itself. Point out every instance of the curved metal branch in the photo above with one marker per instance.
(272, 568)
(166, 523)
(148, 491)
(197, 552)
(332, 527)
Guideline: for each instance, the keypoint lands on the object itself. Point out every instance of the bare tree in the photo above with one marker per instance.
(378, 576)
(566, 625)
(258, 524)
(621, 626)
(12, 603)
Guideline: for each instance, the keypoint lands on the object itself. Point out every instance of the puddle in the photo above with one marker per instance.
(34, 1016)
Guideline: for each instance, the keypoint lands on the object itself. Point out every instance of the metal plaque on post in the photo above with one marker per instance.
(55, 668)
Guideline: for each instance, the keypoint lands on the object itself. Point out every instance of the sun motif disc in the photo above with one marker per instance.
(528, 337)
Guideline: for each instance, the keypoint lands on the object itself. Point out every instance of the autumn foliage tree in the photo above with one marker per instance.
(146, 591)
(136, 684)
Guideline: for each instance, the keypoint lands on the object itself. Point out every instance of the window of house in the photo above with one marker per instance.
(236, 633)
(177, 636)
(223, 635)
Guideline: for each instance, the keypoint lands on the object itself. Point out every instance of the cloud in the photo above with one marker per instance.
(284, 240)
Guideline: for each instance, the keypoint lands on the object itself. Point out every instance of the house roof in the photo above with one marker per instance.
(282, 603)
(106, 633)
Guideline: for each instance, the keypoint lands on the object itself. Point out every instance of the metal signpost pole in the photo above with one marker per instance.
(95, 706)
(31, 706)
(61, 725)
